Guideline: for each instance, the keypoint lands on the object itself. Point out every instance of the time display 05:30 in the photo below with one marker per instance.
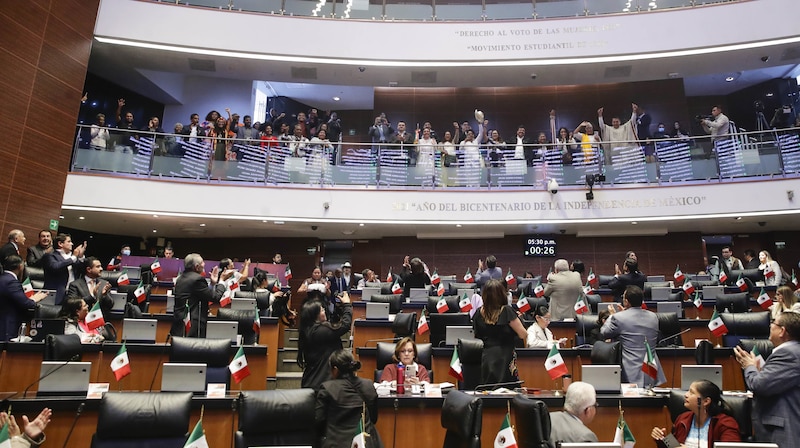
(540, 247)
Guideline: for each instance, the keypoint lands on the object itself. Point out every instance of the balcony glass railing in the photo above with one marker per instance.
(444, 10)
(654, 162)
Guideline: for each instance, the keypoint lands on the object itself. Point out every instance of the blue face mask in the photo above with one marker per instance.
(660, 129)
(126, 252)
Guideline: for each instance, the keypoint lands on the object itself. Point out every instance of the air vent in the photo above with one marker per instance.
(423, 77)
(304, 73)
(790, 54)
(203, 65)
(620, 71)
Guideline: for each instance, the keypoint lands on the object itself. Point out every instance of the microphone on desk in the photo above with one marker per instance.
(382, 340)
(74, 421)
(491, 385)
(674, 336)
(75, 357)
(158, 364)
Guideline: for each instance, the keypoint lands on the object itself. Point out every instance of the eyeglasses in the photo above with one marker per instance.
(544, 318)
(410, 350)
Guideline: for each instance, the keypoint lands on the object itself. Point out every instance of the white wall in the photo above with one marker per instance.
(206, 94)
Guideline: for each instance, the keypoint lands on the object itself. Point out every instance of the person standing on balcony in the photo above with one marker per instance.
(617, 135)
(718, 126)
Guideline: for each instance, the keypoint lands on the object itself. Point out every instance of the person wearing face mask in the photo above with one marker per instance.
(115, 263)
(661, 132)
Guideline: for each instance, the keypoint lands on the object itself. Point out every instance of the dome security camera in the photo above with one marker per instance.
(552, 186)
(534, 76)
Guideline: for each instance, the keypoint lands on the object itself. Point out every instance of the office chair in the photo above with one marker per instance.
(215, 353)
(282, 417)
(533, 422)
(62, 347)
(462, 417)
(262, 298)
(404, 324)
(745, 326)
(607, 353)
(245, 319)
(385, 352)
(452, 304)
(470, 352)
(669, 325)
(394, 301)
(593, 302)
(733, 303)
(36, 275)
(134, 420)
(704, 353)
(584, 324)
(438, 324)
(44, 311)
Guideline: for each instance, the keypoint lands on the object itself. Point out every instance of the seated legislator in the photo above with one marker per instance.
(630, 276)
(341, 402)
(14, 304)
(405, 352)
(632, 326)
(74, 311)
(538, 334)
(571, 424)
(316, 286)
(91, 288)
(706, 421)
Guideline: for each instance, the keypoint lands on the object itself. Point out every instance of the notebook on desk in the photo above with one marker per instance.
(40, 328)
(243, 304)
(452, 333)
(418, 295)
(605, 379)
(139, 330)
(71, 378)
(367, 293)
(377, 311)
(222, 329)
(183, 377)
(692, 373)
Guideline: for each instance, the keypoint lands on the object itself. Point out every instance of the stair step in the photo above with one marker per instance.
(288, 380)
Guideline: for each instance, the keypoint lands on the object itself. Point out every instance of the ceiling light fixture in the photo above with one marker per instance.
(81, 217)
(336, 98)
(202, 225)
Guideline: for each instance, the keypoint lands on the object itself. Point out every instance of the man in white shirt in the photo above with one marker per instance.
(718, 127)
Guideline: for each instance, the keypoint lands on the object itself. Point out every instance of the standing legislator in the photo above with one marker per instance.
(192, 291)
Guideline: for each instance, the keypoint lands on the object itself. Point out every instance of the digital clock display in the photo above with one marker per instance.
(540, 247)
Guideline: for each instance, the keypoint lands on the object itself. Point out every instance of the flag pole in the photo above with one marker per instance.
(202, 411)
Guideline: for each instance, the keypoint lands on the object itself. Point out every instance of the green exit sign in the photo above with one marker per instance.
(54, 225)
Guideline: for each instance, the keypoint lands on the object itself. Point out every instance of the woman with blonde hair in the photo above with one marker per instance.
(770, 268)
(785, 302)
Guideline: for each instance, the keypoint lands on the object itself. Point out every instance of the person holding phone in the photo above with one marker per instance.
(405, 352)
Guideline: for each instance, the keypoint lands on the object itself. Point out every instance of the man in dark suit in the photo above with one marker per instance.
(91, 288)
(192, 294)
(630, 276)
(776, 385)
(16, 240)
(37, 252)
(62, 265)
(519, 149)
(14, 304)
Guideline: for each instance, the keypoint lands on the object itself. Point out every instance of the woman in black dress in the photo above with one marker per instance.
(498, 326)
(319, 339)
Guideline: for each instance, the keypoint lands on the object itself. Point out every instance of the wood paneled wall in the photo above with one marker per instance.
(44, 51)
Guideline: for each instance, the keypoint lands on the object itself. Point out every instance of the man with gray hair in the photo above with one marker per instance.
(571, 424)
(16, 240)
(192, 295)
(563, 287)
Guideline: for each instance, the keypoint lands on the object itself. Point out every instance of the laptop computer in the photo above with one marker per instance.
(670, 307)
(119, 301)
(660, 293)
(50, 299)
(418, 295)
(243, 304)
(713, 292)
(367, 293)
(222, 329)
(692, 373)
(40, 328)
(605, 379)
(377, 311)
(134, 273)
(71, 378)
(452, 333)
(183, 377)
(139, 330)
(656, 278)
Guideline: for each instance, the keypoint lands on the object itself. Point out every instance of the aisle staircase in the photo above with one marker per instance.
(289, 373)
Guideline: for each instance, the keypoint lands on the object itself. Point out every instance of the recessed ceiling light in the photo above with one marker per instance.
(154, 230)
(634, 222)
(336, 98)
(361, 225)
(770, 95)
(265, 221)
(280, 223)
(60, 216)
(81, 217)
(458, 225)
(155, 216)
(729, 78)
(202, 225)
(738, 218)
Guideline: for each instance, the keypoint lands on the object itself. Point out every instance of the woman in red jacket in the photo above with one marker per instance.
(707, 420)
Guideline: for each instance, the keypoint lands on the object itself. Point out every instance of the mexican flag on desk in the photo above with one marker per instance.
(276, 287)
(505, 437)
(121, 365)
(538, 291)
(111, 265)
(257, 321)
(688, 288)
(396, 288)
(468, 277)
(123, 278)
(592, 278)
(723, 277)
(287, 273)
(678, 275)
(155, 267)
(422, 326)
(5, 438)
(716, 325)
(649, 366)
(441, 306)
(238, 366)
(225, 300)
(187, 319)
(389, 276)
(587, 288)
(455, 366)
(764, 300)
(580, 306)
(697, 302)
(440, 289)
(522, 303)
(140, 293)
(511, 281)
(197, 439)
(435, 280)
(95, 317)
(554, 364)
(465, 304)
(27, 288)
(623, 435)
(741, 283)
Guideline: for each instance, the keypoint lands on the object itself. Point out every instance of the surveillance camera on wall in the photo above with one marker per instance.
(552, 186)
(314, 227)
(362, 69)
(534, 76)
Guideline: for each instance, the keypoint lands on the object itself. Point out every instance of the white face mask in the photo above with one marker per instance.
(126, 253)
(660, 129)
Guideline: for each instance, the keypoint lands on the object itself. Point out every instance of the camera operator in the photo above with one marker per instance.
(782, 118)
(717, 126)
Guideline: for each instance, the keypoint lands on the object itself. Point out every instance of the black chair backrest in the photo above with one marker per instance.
(111, 277)
(44, 311)
(385, 351)
(133, 419)
(733, 303)
(276, 418)
(704, 353)
(36, 275)
(470, 353)
(608, 353)
(262, 298)
(584, 324)
(394, 301)
(462, 417)
(765, 346)
(675, 296)
(386, 287)
(533, 422)
(213, 352)
(741, 408)
(593, 301)
(404, 324)
(245, 318)
(452, 304)
(62, 347)
(669, 325)
(603, 280)
(745, 326)
(752, 275)
(699, 284)
(129, 290)
(454, 287)
(438, 324)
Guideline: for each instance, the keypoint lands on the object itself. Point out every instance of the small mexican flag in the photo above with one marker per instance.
(649, 364)
(155, 267)
(554, 364)
(238, 366)
(697, 302)
(468, 277)
(123, 279)
(111, 265)
(522, 304)
(440, 289)
(716, 325)
(287, 273)
(723, 277)
(587, 288)
(764, 300)
(422, 326)
(511, 281)
(257, 322)
(441, 306)
(95, 317)
(197, 439)
(623, 435)
(187, 319)
(225, 300)
(360, 440)
(741, 284)
(465, 304)
(139, 293)
(678, 275)
(396, 288)
(455, 366)
(27, 288)
(688, 288)
(580, 306)
(121, 365)
(435, 280)
(389, 276)
(592, 278)
(276, 286)
(538, 291)
(505, 437)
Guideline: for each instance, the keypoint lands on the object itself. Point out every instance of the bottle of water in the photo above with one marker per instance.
(23, 327)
